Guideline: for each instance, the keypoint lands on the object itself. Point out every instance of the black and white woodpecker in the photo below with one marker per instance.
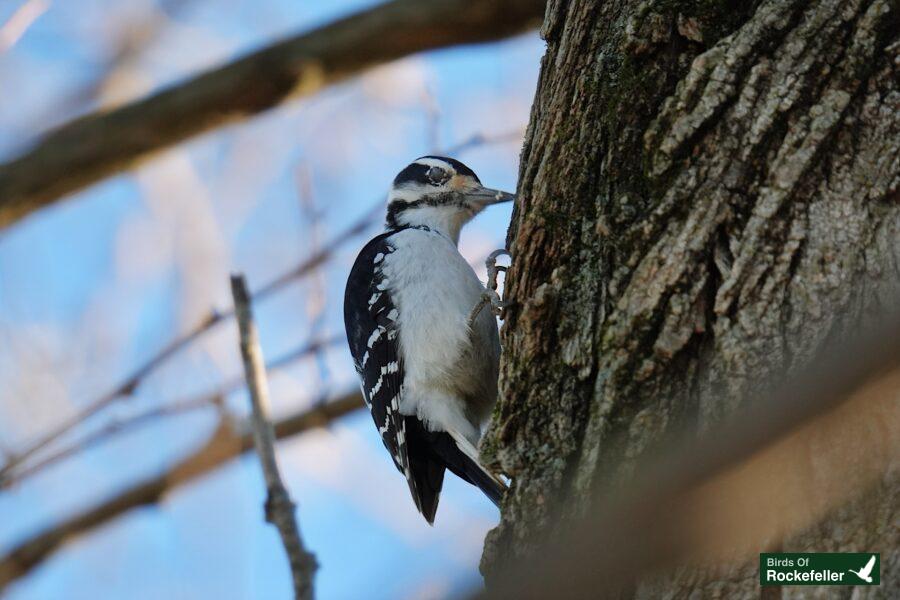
(426, 354)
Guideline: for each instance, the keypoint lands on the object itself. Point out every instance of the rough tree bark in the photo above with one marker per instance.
(708, 195)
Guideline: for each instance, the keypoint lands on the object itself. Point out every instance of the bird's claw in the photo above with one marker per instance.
(493, 269)
(489, 296)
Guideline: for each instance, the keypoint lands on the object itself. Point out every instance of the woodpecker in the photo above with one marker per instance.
(426, 354)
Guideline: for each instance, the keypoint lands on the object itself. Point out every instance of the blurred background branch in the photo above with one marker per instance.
(95, 146)
(134, 39)
(15, 26)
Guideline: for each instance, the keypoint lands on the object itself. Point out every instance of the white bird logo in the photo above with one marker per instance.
(865, 572)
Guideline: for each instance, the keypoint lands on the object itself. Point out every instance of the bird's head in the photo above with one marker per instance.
(441, 193)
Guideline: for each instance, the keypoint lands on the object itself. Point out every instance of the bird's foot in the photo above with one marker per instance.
(493, 269)
(490, 297)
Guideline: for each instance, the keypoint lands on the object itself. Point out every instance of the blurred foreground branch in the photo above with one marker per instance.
(279, 508)
(88, 149)
(223, 445)
(775, 469)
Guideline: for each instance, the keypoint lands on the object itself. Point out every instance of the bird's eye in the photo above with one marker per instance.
(436, 175)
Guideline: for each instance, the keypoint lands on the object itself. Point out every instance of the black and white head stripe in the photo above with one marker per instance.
(435, 181)
(426, 171)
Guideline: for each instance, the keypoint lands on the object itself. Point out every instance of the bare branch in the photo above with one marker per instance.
(224, 445)
(485, 139)
(280, 509)
(105, 433)
(93, 147)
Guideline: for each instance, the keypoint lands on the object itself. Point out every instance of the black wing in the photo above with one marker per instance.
(370, 320)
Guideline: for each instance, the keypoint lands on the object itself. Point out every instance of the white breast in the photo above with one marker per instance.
(450, 374)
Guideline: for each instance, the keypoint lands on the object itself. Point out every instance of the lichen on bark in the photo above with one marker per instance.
(708, 195)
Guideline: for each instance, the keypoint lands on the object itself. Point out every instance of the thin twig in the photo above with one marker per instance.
(125, 389)
(317, 291)
(358, 227)
(280, 509)
(432, 119)
(107, 432)
(485, 139)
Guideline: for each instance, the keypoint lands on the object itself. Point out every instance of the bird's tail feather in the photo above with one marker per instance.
(472, 469)
(425, 483)
(430, 452)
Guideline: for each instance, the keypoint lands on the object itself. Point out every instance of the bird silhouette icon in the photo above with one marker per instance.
(866, 572)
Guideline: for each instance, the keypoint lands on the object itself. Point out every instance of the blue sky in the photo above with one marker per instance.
(95, 285)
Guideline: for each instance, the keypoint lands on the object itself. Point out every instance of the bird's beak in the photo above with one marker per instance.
(482, 196)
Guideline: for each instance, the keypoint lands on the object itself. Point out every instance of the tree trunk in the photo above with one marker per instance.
(708, 195)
